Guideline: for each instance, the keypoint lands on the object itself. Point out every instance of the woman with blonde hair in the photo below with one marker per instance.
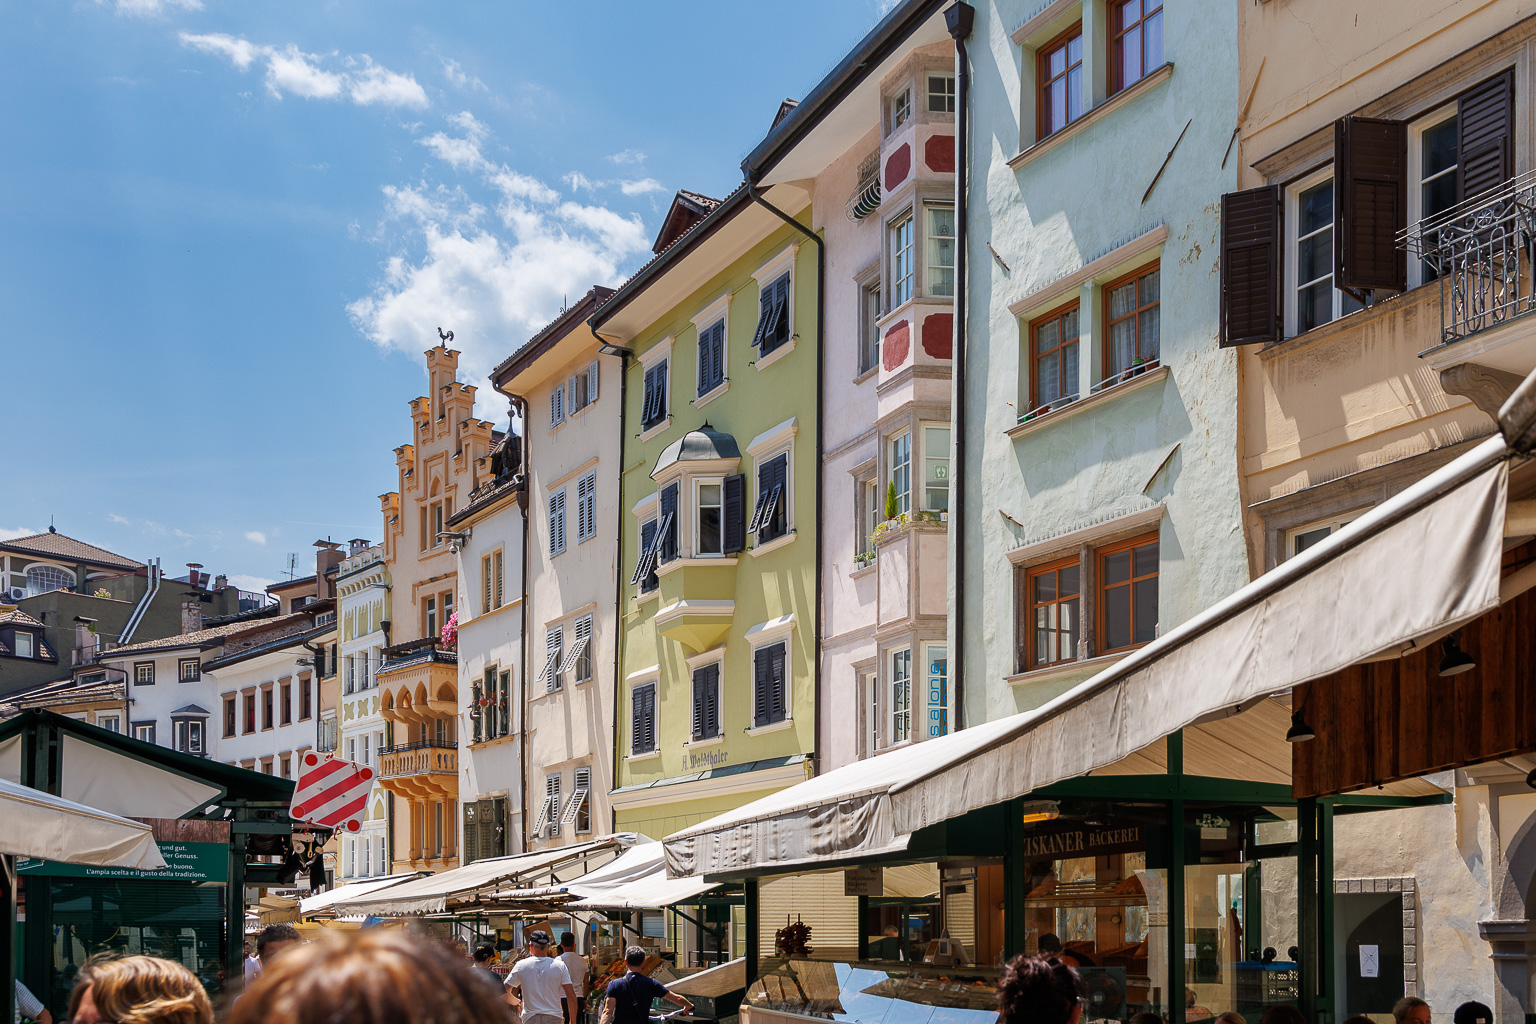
(383, 977)
(138, 990)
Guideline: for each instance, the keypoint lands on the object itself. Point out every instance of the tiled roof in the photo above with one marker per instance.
(707, 202)
(61, 692)
(201, 637)
(60, 546)
(17, 617)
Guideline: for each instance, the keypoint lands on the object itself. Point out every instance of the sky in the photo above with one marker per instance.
(230, 230)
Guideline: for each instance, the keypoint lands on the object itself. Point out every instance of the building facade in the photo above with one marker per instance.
(362, 608)
(571, 395)
(717, 551)
(418, 677)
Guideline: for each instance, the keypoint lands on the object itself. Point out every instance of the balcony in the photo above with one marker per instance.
(421, 770)
(426, 651)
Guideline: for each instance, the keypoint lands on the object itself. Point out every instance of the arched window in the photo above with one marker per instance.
(42, 579)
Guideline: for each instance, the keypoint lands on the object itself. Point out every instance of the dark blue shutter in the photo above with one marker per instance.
(762, 669)
(778, 704)
(642, 575)
(734, 513)
(637, 721)
(669, 517)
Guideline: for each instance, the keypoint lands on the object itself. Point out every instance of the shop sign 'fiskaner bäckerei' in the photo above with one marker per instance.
(1069, 842)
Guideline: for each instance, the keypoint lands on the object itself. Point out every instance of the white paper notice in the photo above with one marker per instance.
(1370, 961)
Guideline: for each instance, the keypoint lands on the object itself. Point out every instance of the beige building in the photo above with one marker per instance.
(570, 396)
(1372, 280)
(418, 679)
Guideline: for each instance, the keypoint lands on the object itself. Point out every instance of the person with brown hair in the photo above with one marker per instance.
(1233, 1017)
(1282, 1013)
(383, 977)
(138, 990)
(1040, 990)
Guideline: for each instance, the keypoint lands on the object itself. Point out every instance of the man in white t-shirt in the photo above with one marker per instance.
(541, 982)
(576, 967)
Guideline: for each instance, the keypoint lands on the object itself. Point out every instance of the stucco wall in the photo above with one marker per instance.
(1171, 442)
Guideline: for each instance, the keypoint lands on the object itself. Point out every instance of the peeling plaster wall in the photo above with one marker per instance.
(1172, 441)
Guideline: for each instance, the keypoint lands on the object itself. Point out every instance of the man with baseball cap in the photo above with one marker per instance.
(629, 998)
(540, 981)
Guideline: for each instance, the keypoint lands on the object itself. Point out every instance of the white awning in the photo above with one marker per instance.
(634, 880)
(1419, 564)
(37, 824)
(449, 890)
(323, 903)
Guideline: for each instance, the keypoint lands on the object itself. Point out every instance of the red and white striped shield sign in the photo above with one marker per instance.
(331, 792)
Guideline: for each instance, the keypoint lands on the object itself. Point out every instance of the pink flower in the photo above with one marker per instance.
(450, 634)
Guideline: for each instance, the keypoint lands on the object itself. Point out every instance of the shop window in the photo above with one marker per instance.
(1128, 593)
(1137, 46)
(1053, 360)
(190, 670)
(1132, 342)
(1060, 69)
(1050, 605)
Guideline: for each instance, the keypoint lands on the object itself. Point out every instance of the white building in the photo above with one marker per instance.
(268, 699)
(362, 609)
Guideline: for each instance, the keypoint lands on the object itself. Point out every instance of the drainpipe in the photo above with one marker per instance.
(821, 370)
(521, 405)
(959, 18)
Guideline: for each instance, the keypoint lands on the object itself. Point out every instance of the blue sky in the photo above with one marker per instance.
(230, 230)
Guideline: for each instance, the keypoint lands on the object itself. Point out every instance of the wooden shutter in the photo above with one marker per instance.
(500, 590)
(761, 668)
(486, 571)
(712, 702)
(643, 719)
(778, 698)
(592, 382)
(1370, 204)
(471, 832)
(641, 576)
(1252, 228)
(1485, 116)
(669, 520)
(734, 513)
(698, 703)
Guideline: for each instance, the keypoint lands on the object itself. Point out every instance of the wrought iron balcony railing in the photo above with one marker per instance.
(1481, 252)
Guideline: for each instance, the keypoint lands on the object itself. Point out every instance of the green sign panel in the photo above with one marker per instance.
(184, 862)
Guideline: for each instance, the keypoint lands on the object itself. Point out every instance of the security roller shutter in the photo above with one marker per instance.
(818, 900)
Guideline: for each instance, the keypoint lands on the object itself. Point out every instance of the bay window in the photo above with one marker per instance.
(899, 468)
(901, 257)
(940, 250)
(708, 537)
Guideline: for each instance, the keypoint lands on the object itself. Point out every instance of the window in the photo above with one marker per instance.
(446, 600)
(437, 524)
(939, 253)
(111, 723)
(429, 616)
(578, 660)
(189, 670)
(869, 328)
(936, 469)
(770, 697)
(554, 643)
(493, 577)
(480, 711)
(899, 467)
(425, 542)
(437, 831)
(1132, 314)
(250, 714)
(503, 706)
(773, 320)
(352, 748)
(666, 539)
(547, 825)
(706, 702)
(901, 108)
(304, 705)
(557, 522)
(1053, 360)
(1137, 28)
(936, 657)
(900, 729)
(654, 409)
(188, 735)
(143, 673)
(365, 748)
(1060, 65)
(642, 719)
(1434, 178)
(229, 716)
(1052, 603)
(1315, 300)
(557, 406)
(869, 690)
(23, 642)
(1302, 537)
(286, 702)
(711, 357)
(581, 803)
(586, 514)
(44, 579)
(708, 539)
(941, 94)
(267, 718)
(868, 504)
(583, 388)
(1128, 594)
(770, 520)
(900, 249)
(144, 731)
(645, 565)
(350, 678)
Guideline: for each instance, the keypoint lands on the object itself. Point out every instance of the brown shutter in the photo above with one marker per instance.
(1252, 225)
(1485, 117)
(1370, 204)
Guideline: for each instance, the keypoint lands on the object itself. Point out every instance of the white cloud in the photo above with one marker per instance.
(245, 581)
(641, 187)
(291, 71)
(115, 518)
(255, 536)
(579, 181)
(151, 8)
(457, 76)
(7, 532)
(627, 156)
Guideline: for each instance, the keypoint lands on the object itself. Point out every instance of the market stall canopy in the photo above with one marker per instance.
(323, 904)
(635, 880)
(1401, 575)
(35, 824)
(462, 887)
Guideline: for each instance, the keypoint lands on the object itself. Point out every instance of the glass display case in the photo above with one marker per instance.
(849, 991)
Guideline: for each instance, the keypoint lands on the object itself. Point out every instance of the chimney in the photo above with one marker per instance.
(191, 614)
(220, 581)
(327, 557)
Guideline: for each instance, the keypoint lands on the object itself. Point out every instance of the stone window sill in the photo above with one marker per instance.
(1084, 404)
(1113, 103)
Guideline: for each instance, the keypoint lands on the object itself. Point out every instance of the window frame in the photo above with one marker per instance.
(661, 369)
(898, 103)
(141, 677)
(704, 387)
(1043, 79)
(1115, 50)
(871, 294)
(1334, 523)
(31, 644)
(582, 819)
(930, 707)
(928, 290)
(950, 95)
(718, 664)
(1417, 129)
(1027, 623)
(196, 670)
(231, 720)
(429, 615)
(786, 504)
(1291, 255)
(555, 522)
(651, 685)
(111, 723)
(903, 492)
(1101, 588)
(898, 715)
(1107, 343)
(697, 507)
(786, 682)
(927, 427)
(136, 728)
(904, 219)
(1067, 397)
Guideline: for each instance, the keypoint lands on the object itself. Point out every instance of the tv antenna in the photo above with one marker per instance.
(293, 565)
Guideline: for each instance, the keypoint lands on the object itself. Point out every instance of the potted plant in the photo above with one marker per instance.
(890, 500)
(450, 633)
(863, 558)
(1138, 366)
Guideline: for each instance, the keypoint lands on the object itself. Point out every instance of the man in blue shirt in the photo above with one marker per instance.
(629, 998)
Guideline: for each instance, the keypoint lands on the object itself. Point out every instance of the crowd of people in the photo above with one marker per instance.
(392, 976)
